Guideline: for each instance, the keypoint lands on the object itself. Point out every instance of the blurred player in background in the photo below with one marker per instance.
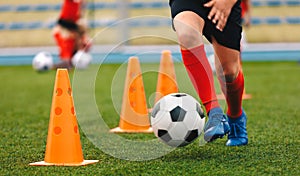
(246, 19)
(246, 12)
(220, 22)
(246, 22)
(70, 33)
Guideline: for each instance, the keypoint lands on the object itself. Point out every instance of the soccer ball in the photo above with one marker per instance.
(43, 61)
(177, 119)
(81, 59)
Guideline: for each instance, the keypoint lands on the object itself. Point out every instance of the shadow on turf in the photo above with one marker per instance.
(211, 151)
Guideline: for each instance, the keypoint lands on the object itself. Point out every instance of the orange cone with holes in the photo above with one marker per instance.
(166, 82)
(134, 113)
(63, 143)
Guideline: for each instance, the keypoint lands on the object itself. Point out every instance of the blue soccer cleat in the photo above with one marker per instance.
(216, 126)
(238, 131)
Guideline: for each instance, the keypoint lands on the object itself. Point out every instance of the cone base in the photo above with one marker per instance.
(83, 163)
(245, 96)
(119, 130)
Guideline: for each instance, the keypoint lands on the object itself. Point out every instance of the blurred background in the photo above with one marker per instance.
(30, 22)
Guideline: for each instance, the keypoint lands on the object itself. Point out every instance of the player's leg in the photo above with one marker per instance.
(188, 26)
(83, 41)
(66, 41)
(231, 80)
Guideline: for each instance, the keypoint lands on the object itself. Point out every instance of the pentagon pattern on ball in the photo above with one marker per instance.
(191, 135)
(188, 103)
(192, 120)
(179, 95)
(177, 114)
(178, 130)
(162, 121)
(155, 110)
(200, 111)
(164, 135)
(177, 119)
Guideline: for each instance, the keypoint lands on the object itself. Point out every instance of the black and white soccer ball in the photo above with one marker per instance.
(177, 119)
(43, 61)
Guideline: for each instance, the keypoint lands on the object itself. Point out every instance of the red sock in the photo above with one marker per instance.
(200, 73)
(233, 92)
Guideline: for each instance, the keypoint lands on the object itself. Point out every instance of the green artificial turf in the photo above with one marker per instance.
(273, 126)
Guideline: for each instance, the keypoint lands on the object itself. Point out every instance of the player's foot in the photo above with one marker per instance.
(216, 126)
(238, 131)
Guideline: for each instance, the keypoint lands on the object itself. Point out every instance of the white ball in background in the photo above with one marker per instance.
(43, 61)
(81, 59)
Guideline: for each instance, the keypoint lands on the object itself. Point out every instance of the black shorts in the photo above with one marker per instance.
(230, 36)
(68, 24)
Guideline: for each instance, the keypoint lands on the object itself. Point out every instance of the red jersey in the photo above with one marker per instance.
(71, 10)
(244, 7)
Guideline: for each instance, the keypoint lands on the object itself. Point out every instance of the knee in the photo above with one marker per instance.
(188, 26)
(189, 38)
(228, 74)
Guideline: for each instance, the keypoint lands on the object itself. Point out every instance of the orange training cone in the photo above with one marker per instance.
(246, 96)
(63, 143)
(166, 82)
(134, 113)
